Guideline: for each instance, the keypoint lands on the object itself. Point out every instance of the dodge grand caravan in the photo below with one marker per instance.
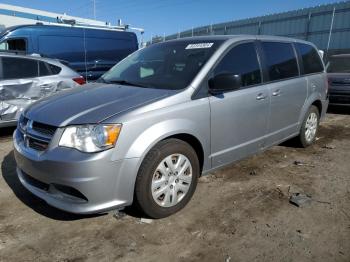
(166, 114)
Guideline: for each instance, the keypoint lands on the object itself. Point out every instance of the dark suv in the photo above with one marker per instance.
(339, 79)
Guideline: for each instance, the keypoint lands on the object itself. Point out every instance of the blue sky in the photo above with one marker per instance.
(167, 16)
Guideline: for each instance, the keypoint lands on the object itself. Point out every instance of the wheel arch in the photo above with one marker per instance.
(312, 100)
(318, 104)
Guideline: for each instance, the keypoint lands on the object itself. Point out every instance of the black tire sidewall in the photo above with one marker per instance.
(143, 193)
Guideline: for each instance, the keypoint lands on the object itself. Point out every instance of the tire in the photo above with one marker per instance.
(176, 188)
(311, 123)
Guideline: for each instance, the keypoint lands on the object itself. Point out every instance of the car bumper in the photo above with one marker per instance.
(8, 123)
(76, 182)
(340, 96)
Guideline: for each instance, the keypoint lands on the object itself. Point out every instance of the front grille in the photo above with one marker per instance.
(340, 82)
(44, 129)
(37, 144)
(36, 135)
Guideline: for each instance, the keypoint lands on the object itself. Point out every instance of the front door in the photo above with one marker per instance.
(239, 117)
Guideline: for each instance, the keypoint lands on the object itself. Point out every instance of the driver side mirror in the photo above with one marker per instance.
(225, 82)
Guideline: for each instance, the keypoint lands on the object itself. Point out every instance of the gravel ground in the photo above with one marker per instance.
(239, 213)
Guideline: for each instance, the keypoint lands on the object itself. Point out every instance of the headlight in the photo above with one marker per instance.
(90, 138)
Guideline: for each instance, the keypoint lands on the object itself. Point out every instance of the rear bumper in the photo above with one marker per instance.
(98, 184)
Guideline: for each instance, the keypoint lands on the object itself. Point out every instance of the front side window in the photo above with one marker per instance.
(241, 61)
(169, 65)
(311, 60)
(17, 68)
(18, 44)
(280, 60)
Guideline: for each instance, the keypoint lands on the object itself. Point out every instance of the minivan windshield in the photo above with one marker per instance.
(339, 64)
(168, 65)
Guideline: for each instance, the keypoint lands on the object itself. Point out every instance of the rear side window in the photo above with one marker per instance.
(55, 69)
(280, 60)
(241, 60)
(311, 60)
(46, 69)
(16, 68)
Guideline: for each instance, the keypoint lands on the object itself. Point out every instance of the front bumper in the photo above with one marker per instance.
(76, 182)
(339, 96)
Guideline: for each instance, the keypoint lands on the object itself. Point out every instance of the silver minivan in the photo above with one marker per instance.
(165, 115)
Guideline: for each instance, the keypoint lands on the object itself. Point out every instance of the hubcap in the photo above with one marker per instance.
(171, 180)
(311, 127)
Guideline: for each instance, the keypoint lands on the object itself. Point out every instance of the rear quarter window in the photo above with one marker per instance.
(311, 60)
(46, 69)
(280, 60)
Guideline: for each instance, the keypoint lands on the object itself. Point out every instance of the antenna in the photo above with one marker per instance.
(94, 6)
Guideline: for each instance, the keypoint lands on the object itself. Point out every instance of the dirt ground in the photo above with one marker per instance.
(239, 213)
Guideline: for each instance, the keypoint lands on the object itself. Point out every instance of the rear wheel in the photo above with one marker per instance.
(167, 178)
(309, 127)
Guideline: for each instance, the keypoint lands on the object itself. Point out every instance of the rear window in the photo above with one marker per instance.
(17, 68)
(311, 60)
(280, 60)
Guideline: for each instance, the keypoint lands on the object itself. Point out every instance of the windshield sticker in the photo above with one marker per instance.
(199, 45)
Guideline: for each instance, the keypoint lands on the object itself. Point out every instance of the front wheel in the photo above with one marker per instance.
(309, 127)
(167, 178)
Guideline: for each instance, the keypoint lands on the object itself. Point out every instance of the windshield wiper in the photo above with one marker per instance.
(124, 82)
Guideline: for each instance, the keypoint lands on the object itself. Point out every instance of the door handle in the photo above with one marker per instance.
(261, 96)
(276, 92)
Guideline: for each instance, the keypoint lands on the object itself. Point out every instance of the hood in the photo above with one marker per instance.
(339, 81)
(92, 103)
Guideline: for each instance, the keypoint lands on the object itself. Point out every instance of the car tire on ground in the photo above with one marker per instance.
(167, 178)
(309, 127)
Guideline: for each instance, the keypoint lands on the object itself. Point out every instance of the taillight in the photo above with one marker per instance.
(80, 80)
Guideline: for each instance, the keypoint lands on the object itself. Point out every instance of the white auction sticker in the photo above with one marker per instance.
(199, 45)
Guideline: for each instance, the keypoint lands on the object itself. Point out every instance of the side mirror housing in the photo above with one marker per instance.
(225, 82)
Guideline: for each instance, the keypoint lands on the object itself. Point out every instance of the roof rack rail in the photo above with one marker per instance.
(72, 22)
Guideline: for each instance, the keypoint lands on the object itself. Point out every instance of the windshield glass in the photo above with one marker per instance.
(339, 64)
(169, 65)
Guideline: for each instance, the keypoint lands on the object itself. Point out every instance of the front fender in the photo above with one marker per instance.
(159, 131)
